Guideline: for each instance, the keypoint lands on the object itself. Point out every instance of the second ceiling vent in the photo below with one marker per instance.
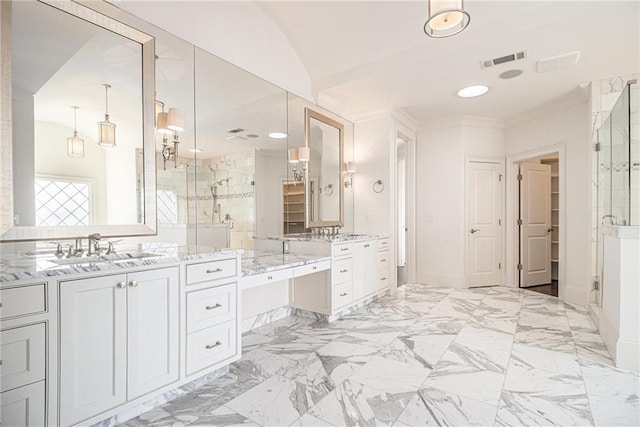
(503, 59)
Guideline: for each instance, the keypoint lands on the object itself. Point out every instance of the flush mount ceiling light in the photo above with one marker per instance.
(75, 144)
(446, 18)
(106, 129)
(472, 91)
(277, 135)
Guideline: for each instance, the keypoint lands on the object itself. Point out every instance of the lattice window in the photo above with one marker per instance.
(167, 207)
(62, 202)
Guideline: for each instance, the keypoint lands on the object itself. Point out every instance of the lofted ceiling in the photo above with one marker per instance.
(370, 55)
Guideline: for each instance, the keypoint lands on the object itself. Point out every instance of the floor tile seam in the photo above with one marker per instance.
(461, 395)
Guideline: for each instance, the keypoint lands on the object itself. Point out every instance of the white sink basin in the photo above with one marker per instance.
(124, 256)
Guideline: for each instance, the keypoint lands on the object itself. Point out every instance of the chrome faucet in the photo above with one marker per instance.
(94, 244)
(613, 220)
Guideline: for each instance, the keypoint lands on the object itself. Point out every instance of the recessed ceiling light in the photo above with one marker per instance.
(277, 135)
(195, 150)
(472, 91)
(510, 74)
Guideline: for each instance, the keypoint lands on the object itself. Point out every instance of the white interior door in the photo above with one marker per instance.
(484, 222)
(535, 224)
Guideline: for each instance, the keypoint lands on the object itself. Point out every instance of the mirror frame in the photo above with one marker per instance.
(311, 114)
(96, 15)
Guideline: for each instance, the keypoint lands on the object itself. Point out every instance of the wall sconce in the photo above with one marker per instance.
(296, 155)
(75, 144)
(349, 169)
(170, 124)
(106, 129)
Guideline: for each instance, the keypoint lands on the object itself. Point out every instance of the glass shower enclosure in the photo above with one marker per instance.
(618, 195)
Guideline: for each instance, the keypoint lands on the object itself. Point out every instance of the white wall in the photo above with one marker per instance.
(238, 32)
(441, 152)
(566, 126)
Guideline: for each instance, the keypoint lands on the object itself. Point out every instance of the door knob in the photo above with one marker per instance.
(474, 230)
(549, 230)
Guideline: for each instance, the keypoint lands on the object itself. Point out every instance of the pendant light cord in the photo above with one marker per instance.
(106, 99)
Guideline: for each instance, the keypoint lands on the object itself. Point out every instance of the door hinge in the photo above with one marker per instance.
(499, 221)
(519, 221)
(597, 146)
(519, 267)
(596, 285)
(499, 177)
(519, 177)
(499, 266)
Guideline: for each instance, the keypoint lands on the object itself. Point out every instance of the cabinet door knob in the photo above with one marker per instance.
(213, 307)
(121, 285)
(210, 346)
(217, 270)
(133, 283)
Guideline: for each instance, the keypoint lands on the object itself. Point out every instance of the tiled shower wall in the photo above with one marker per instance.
(604, 95)
(236, 196)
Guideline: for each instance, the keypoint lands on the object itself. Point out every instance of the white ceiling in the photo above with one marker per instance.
(369, 56)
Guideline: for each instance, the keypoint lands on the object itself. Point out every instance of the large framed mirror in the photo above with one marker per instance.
(323, 175)
(77, 106)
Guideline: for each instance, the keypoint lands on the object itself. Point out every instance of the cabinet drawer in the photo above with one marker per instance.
(23, 406)
(341, 295)
(342, 249)
(23, 300)
(265, 278)
(303, 270)
(23, 356)
(383, 261)
(341, 271)
(210, 307)
(384, 244)
(210, 346)
(383, 280)
(212, 270)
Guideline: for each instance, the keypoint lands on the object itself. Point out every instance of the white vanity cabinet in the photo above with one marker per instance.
(23, 349)
(383, 264)
(119, 339)
(365, 277)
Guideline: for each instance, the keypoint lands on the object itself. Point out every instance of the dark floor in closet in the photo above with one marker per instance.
(549, 289)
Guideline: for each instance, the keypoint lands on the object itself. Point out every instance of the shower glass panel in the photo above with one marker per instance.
(618, 198)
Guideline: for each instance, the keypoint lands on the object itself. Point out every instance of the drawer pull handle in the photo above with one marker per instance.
(383, 260)
(133, 283)
(384, 278)
(314, 267)
(344, 271)
(366, 246)
(269, 277)
(344, 294)
(121, 285)
(344, 249)
(213, 307)
(210, 346)
(217, 270)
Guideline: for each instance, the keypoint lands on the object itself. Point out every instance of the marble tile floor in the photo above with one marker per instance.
(424, 356)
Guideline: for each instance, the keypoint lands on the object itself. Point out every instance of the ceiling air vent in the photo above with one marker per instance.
(236, 130)
(558, 62)
(504, 59)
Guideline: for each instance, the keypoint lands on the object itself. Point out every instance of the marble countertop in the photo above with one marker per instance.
(41, 263)
(256, 262)
(308, 237)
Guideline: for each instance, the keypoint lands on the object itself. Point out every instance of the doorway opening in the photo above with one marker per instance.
(401, 209)
(538, 224)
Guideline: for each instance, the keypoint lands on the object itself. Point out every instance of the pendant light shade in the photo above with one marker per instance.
(446, 18)
(75, 144)
(106, 129)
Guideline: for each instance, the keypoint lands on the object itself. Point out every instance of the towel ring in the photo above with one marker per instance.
(378, 186)
(328, 190)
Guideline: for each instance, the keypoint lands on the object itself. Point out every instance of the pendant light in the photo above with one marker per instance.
(75, 144)
(446, 18)
(106, 129)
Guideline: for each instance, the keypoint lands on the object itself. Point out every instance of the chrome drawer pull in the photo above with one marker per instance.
(210, 346)
(344, 294)
(217, 270)
(384, 278)
(314, 267)
(212, 307)
(366, 246)
(269, 277)
(383, 260)
(344, 271)
(133, 283)
(344, 249)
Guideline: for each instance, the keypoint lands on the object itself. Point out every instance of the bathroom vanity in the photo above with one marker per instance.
(85, 341)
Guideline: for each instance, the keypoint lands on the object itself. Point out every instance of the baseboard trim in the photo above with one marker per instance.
(628, 355)
(435, 279)
(609, 335)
